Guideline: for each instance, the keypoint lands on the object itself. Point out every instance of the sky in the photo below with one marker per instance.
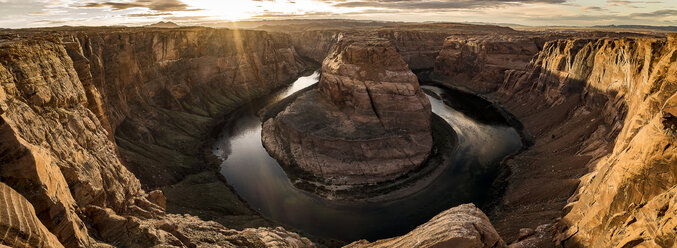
(42, 13)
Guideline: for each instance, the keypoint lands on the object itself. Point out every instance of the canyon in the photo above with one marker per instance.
(104, 132)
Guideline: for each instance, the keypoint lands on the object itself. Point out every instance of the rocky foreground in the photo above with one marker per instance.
(368, 122)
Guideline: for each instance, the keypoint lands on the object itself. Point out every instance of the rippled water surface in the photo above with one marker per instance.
(260, 180)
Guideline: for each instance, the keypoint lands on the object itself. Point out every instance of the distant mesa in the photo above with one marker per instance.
(163, 25)
(368, 121)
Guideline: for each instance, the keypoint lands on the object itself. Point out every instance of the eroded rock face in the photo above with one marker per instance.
(632, 188)
(601, 109)
(464, 226)
(161, 89)
(368, 122)
(16, 209)
(418, 44)
(369, 81)
(480, 62)
(63, 96)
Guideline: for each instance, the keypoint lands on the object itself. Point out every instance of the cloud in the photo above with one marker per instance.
(657, 13)
(156, 5)
(591, 8)
(148, 14)
(274, 14)
(630, 4)
(439, 4)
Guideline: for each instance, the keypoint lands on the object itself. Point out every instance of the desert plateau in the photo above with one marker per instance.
(347, 123)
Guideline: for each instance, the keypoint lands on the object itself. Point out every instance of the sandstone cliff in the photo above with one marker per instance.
(478, 61)
(418, 44)
(19, 224)
(63, 98)
(601, 106)
(368, 122)
(163, 90)
(464, 226)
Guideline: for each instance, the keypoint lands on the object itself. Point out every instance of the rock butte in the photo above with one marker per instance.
(88, 116)
(368, 122)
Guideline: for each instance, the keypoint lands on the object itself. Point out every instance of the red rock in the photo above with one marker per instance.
(368, 122)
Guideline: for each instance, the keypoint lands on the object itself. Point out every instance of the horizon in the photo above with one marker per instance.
(535, 13)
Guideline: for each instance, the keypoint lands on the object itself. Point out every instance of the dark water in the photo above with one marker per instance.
(263, 184)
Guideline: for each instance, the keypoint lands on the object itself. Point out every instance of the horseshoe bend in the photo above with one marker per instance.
(338, 133)
(368, 121)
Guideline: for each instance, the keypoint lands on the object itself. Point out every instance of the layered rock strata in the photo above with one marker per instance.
(482, 61)
(478, 62)
(368, 122)
(163, 90)
(418, 44)
(464, 226)
(601, 114)
(65, 96)
(19, 225)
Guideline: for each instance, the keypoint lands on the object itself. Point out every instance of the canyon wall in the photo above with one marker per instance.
(65, 95)
(601, 112)
(161, 90)
(419, 45)
(478, 61)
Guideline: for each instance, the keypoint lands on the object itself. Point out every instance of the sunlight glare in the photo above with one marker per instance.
(227, 9)
(244, 9)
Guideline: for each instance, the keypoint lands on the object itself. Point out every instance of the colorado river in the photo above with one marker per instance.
(260, 180)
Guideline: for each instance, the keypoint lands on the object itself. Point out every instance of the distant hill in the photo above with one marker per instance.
(163, 25)
(664, 28)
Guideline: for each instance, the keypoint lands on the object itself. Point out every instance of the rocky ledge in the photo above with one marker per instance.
(368, 122)
(464, 226)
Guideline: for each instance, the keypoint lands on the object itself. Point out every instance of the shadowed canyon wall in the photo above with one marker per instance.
(161, 90)
(600, 112)
(478, 61)
(64, 96)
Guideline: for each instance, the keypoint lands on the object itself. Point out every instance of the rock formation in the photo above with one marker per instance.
(464, 226)
(479, 61)
(419, 45)
(162, 90)
(19, 224)
(63, 96)
(368, 122)
(482, 61)
(595, 106)
(633, 188)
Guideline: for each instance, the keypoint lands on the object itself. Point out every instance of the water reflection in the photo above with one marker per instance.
(263, 184)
